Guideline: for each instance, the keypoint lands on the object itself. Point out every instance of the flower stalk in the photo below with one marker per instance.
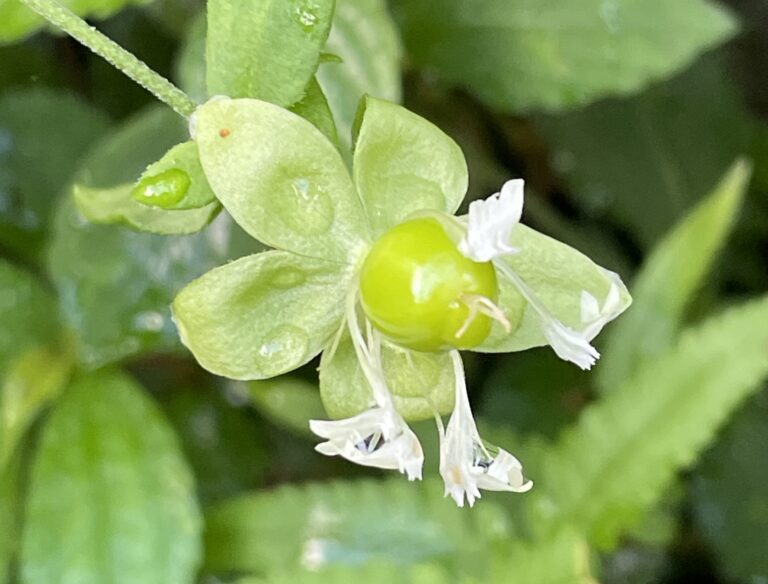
(120, 58)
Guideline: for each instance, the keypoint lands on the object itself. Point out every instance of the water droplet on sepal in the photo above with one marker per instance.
(283, 349)
(306, 207)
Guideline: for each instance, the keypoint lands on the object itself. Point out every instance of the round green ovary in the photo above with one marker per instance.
(415, 286)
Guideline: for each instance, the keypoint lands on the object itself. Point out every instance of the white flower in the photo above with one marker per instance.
(466, 463)
(491, 221)
(378, 437)
(593, 317)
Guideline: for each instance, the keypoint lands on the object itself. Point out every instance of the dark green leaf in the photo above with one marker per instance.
(314, 107)
(532, 55)
(110, 497)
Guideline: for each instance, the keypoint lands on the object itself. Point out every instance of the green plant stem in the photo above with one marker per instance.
(103, 46)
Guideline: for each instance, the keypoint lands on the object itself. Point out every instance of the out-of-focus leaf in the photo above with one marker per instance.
(616, 462)
(287, 401)
(222, 442)
(43, 135)
(645, 161)
(730, 500)
(529, 54)
(110, 497)
(373, 573)
(116, 285)
(18, 21)
(35, 379)
(364, 36)
(27, 313)
(564, 558)
(268, 49)
(9, 516)
(669, 279)
(323, 525)
(146, 143)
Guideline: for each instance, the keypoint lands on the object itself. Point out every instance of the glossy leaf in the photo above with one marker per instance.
(151, 138)
(43, 135)
(18, 21)
(403, 163)
(366, 41)
(288, 402)
(645, 161)
(604, 486)
(116, 285)
(557, 274)
(262, 315)
(280, 178)
(35, 380)
(27, 312)
(669, 279)
(331, 524)
(528, 55)
(420, 382)
(267, 50)
(109, 479)
(314, 108)
(176, 181)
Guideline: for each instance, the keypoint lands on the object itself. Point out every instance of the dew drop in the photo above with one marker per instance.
(162, 190)
(287, 278)
(306, 208)
(284, 348)
(305, 13)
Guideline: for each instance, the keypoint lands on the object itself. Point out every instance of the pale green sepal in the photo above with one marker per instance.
(117, 205)
(557, 274)
(403, 163)
(314, 108)
(280, 178)
(267, 49)
(262, 315)
(421, 383)
(183, 161)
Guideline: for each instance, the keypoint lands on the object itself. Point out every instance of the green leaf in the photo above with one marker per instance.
(347, 523)
(288, 402)
(403, 163)
(366, 41)
(645, 161)
(43, 135)
(314, 108)
(18, 21)
(558, 274)
(563, 559)
(223, 443)
(10, 493)
(262, 315)
(421, 383)
(109, 475)
(116, 205)
(267, 50)
(102, 188)
(27, 313)
(280, 178)
(34, 381)
(115, 285)
(527, 55)
(370, 573)
(669, 279)
(190, 61)
(615, 463)
(730, 502)
(176, 181)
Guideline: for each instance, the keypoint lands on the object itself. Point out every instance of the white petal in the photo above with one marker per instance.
(490, 223)
(505, 474)
(597, 317)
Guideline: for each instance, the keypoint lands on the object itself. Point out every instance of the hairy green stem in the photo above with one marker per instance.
(137, 70)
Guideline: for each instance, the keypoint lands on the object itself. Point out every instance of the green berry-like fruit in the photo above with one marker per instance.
(415, 286)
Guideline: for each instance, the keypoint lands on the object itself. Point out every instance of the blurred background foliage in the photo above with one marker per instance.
(641, 130)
